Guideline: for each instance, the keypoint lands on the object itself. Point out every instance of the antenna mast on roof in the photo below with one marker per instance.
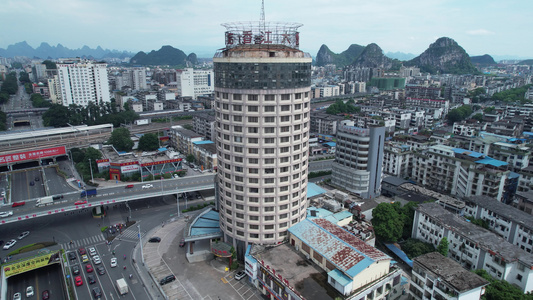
(262, 20)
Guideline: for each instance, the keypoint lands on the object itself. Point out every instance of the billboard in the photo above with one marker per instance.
(30, 264)
(32, 155)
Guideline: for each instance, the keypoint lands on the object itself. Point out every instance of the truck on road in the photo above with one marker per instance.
(142, 122)
(122, 286)
(44, 201)
(88, 193)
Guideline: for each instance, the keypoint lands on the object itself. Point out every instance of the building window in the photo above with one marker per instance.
(253, 97)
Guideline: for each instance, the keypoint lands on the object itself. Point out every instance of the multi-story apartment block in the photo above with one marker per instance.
(525, 182)
(193, 83)
(322, 123)
(402, 117)
(204, 124)
(467, 129)
(463, 173)
(509, 222)
(325, 91)
(437, 277)
(412, 102)
(397, 159)
(524, 201)
(262, 110)
(183, 139)
(509, 127)
(473, 246)
(205, 154)
(358, 162)
(409, 71)
(81, 82)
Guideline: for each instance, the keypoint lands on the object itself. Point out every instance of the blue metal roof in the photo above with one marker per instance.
(468, 152)
(162, 149)
(319, 212)
(400, 254)
(203, 142)
(330, 144)
(314, 190)
(342, 215)
(491, 161)
(339, 277)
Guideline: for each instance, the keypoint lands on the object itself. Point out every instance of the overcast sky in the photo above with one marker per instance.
(496, 27)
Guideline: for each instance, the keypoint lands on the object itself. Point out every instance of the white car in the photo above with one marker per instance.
(92, 251)
(23, 235)
(9, 244)
(113, 262)
(148, 186)
(6, 214)
(29, 291)
(17, 296)
(97, 260)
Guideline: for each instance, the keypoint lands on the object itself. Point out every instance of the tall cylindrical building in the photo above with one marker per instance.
(262, 105)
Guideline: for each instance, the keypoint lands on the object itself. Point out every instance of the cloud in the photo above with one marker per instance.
(480, 32)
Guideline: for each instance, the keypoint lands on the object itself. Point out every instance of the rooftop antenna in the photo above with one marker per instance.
(262, 19)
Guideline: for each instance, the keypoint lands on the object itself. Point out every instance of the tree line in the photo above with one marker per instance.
(61, 116)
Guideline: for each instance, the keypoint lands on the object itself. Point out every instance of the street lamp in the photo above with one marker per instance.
(178, 201)
(71, 163)
(141, 243)
(91, 168)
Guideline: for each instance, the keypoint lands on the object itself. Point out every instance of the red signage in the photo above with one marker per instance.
(31, 155)
(161, 162)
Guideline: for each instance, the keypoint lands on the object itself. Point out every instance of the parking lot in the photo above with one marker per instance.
(201, 280)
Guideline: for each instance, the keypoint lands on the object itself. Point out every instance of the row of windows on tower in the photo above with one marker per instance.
(266, 140)
(256, 97)
(266, 108)
(281, 150)
(266, 161)
(265, 120)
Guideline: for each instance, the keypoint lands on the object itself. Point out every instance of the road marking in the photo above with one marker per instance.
(224, 280)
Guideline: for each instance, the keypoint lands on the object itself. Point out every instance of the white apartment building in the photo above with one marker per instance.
(396, 159)
(262, 110)
(436, 277)
(193, 83)
(473, 246)
(358, 165)
(82, 82)
(509, 222)
(462, 173)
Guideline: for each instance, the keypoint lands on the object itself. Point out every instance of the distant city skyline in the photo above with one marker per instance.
(498, 28)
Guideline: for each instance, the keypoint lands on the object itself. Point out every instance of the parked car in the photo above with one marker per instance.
(167, 279)
(23, 235)
(129, 186)
(154, 239)
(113, 262)
(90, 279)
(92, 251)
(240, 275)
(82, 251)
(32, 183)
(29, 291)
(97, 293)
(78, 280)
(17, 296)
(37, 179)
(84, 258)
(20, 203)
(182, 243)
(100, 270)
(75, 270)
(97, 260)
(89, 268)
(6, 214)
(71, 255)
(147, 186)
(9, 244)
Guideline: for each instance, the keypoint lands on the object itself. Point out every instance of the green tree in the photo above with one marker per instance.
(37, 100)
(3, 121)
(478, 117)
(442, 248)
(50, 64)
(16, 65)
(387, 222)
(500, 289)
(414, 248)
(190, 158)
(149, 142)
(10, 85)
(24, 77)
(92, 155)
(57, 116)
(121, 139)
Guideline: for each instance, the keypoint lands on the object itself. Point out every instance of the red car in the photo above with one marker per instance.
(46, 295)
(78, 280)
(80, 202)
(15, 204)
(88, 268)
(82, 251)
